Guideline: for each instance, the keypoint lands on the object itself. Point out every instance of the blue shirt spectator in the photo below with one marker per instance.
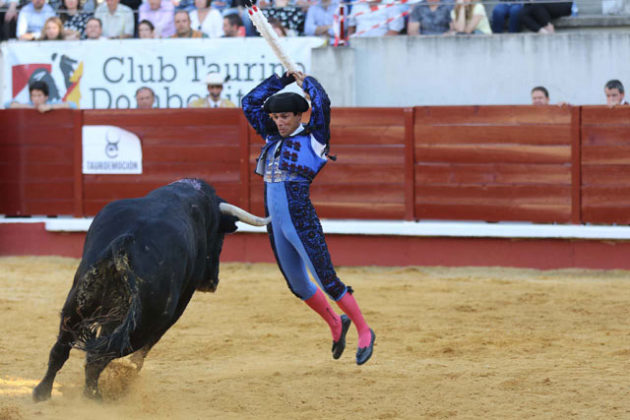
(31, 19)
(320, 18)
(431, 17)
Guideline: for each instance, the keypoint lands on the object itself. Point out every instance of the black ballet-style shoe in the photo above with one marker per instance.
(364, 353)
(339, 345)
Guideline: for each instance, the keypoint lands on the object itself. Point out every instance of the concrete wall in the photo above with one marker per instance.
(473, 70)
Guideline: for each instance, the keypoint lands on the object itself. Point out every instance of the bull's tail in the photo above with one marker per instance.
(112, 288)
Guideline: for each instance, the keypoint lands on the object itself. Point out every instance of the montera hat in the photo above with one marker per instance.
(214, 79)
(286, 102)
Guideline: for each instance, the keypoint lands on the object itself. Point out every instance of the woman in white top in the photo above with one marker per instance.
(206, 19)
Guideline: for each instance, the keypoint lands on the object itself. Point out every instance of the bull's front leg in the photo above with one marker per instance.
(94, 365)
(58, 356)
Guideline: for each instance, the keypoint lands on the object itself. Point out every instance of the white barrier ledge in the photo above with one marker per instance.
(403, 228)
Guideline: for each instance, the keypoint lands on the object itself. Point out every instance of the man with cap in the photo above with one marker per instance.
(214, 82)
(292, 156)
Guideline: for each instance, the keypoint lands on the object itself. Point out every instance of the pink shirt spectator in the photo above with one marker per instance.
(161, 18)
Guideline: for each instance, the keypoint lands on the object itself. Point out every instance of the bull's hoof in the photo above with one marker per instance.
(41, 392)
(93, 394)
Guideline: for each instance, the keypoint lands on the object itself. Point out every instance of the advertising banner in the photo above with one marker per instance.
(111, 150)
(105, 74)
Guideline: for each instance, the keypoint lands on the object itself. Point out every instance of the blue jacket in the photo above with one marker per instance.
(295, 153)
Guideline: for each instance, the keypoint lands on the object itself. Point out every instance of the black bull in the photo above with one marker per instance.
(143, 258)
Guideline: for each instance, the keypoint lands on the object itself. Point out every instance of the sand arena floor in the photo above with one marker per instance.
(463, 343)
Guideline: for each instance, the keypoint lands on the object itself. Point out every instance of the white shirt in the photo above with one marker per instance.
(371, 18)
(212, 25)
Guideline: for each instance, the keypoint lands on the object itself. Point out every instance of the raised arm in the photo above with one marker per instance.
(319, 123)
(253, 102)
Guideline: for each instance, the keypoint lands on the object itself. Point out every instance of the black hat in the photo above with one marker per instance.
(286, 102)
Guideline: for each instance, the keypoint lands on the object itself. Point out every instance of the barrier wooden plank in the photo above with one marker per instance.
(493, 163)
(36, 165)
(605, 164)
(180, 143)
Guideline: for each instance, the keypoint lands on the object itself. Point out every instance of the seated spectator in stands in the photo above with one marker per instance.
(291, 17)
(31, 19)
(160, 14)
(8, 18)
(431, 17)
(94, 29)
(233, 26)
(38, 91)
(145, 97)
(375, 20)
(468, 17)
(117, 19)
(182, 26)
(615, 93)
(320, 19)
(52, 30)
(207, 19)
(146, 30)
(540, 96)
(74, 20)
(277, 27)
(537, 16)
(506, 10)
(214, 83)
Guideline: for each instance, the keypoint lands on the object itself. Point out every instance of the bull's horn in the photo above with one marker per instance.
(242, 215)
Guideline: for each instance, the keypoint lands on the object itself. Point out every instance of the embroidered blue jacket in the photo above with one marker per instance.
(295, 153)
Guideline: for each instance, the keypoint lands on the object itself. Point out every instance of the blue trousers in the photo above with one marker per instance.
(298, 242)
(503, 11)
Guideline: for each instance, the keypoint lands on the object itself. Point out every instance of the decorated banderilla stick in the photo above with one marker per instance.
(266, 30)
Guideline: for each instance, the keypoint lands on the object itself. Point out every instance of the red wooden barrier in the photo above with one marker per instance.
(606, 165)
(36, 162)
(492, 163)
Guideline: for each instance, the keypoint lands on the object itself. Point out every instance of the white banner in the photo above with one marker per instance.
(111, 150)
(107, 73)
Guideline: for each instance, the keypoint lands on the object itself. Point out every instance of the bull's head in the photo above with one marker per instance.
(230, 214)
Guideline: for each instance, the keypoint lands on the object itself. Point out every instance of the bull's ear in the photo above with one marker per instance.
(227, 224)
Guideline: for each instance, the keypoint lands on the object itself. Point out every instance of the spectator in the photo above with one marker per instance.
(469, 17)
(375, 20)
(540, 96)
(320, 19)
(182, 26)
(38, 92)
(94, 29)
(214, 83)
(431, 17)
(537, 16)
(207, 19)
(160, 14)
(74, 20)
(277, 27)
(233, 26)
(8, 18)
(146, 29)
(615, 93)
(52, 30)
(291, 17)
(117, 19)
(145, 97)
(31, 19)
(510, 10)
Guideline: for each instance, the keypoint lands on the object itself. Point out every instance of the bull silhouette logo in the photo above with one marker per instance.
(112, 137)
